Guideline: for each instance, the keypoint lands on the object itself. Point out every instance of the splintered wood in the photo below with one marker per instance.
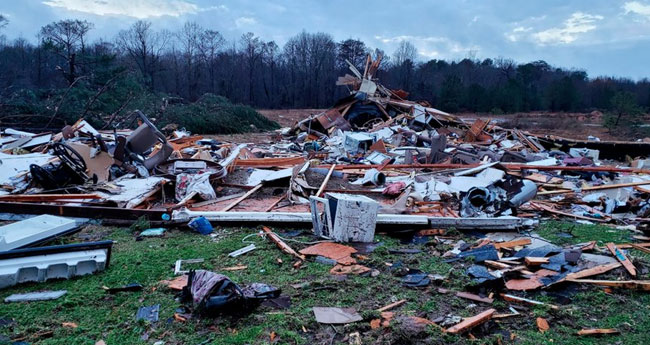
(622, 258)
(471, 322)
(281, 244)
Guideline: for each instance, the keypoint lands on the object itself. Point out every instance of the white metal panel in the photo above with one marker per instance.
(24, 232)
(40, 268)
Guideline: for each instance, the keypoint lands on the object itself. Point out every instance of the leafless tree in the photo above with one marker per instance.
(67, 39)
(211, 43)
(189, 38)
(405, 51)
(252, 49)
(144, 46)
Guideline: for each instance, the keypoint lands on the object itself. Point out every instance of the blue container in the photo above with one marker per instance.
(201, 225)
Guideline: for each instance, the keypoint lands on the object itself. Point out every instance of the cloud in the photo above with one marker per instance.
(140, 9)
(431, 47)
(518, 33)
(579, 23)
(637, 8)
(245, 21)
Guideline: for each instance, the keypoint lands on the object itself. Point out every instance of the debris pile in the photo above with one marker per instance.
(373, 162)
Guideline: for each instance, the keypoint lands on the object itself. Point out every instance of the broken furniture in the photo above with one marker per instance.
(132, 150)
(70, 169)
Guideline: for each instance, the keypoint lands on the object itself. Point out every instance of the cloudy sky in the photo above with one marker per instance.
(604, 37)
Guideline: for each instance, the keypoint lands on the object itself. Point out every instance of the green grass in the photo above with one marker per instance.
(112, 317)
(556, 231)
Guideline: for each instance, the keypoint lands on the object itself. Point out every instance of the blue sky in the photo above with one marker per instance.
(604, 37)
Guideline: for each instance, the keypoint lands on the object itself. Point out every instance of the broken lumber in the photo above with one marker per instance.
(643, 285)
(275, 203)
(242, 198)
(474, 297)
(281, 244)
(595, 331)
(639, 248)
(535, 261)
(594, 188)
(391, 306)
(327, 178)
(514, 243)
(471, 322)
(622, 258)
(593, 271)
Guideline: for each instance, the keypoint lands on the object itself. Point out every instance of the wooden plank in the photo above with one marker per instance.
(638, 247)
(496, 264)
(622, 258)
(594, 188)
(593, 271)
(474, 297)
(514, 243)
(242, 198)
(629, 245)
(623, 284)
(551, 210)
(214, 201)
(535, 261)
(392, 305)
(275, 203)
(471, 322)
(596, 331)
(281, 244)
(327, 178)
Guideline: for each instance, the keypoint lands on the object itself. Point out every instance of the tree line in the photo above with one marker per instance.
(63, 74)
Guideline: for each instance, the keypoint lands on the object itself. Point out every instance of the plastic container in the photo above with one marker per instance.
(201, 224)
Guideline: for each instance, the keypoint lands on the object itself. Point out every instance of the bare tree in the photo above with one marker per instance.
(270, 59)
(66, 38)
(211, 43)
(252, 49)
(189, 38)
(405, 51)
(144, 47)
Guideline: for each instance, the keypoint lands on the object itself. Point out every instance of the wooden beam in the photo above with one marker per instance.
(474, 297)
(600, 269)
(535, 261)
(471, 322)
(281, 244)
(596, 331)
(275, 203)
(242, 198)
(623, 284)
(622, 258)
(593, 188)
(540, 206)
(391, 306)
(638, 247)
(512, 244)
(327, 178)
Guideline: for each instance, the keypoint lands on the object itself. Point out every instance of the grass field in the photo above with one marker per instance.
(101, 316)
